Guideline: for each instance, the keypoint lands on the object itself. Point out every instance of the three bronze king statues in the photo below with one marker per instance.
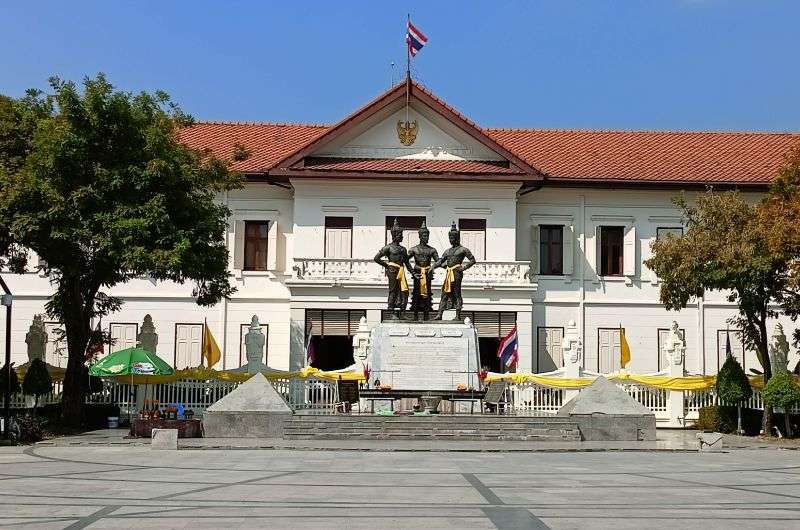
(421, 261)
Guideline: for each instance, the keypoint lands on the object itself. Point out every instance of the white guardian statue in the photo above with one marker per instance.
(572, 350)
(674, 346)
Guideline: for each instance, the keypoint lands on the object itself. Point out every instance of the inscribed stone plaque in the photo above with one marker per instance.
(433, 357)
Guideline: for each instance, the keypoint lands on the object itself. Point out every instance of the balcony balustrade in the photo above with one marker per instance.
(366, 271)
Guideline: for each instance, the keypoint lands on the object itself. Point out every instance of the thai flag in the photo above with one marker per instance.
(415, 39)
(508, 349)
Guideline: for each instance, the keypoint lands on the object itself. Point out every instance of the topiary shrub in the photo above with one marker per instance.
(782, 391)
(31, 428)
(724, 419)
(15, 388)
(733, 387)
(37, 382)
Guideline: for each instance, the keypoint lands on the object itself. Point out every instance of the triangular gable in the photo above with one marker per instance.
(383, 111)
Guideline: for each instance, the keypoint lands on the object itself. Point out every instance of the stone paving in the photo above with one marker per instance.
(126, 486)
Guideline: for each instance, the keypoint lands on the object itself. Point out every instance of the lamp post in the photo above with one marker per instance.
(5, 300)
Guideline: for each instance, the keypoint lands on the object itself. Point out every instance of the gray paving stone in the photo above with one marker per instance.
(133, 487)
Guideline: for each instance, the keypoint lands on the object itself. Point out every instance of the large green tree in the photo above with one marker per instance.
(725, 249)
(96, 182)
(779, 220)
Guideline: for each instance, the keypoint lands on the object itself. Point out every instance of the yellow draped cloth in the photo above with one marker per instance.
(423, 281)
(205, 374)
(666, 382)
(449, 278)
(401, 276)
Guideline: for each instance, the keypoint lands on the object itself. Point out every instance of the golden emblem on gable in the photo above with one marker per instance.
(407, 132)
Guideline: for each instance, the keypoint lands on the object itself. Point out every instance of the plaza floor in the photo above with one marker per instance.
(130, 486)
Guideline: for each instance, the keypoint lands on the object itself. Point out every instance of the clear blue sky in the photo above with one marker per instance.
(667, 64)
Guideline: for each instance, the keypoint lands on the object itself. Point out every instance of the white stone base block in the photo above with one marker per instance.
(164, 440)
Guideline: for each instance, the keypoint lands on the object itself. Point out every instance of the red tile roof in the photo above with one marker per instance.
(405, 165)
(691, 157)
(567, 156)
(268, 142)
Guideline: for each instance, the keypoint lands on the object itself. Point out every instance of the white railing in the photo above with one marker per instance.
(653, 398)
(694, 400)
(534, 398)
(367, 271)
(317, 396)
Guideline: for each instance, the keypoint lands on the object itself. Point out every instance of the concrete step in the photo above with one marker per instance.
(432, 418)
(464, 437)
(357, 426)
(439, 428)
(368, 427)
(409, 423)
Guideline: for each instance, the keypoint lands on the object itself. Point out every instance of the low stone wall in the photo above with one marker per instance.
(244, 424)
(612, 427)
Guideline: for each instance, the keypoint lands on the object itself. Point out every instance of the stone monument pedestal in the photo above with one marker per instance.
(604, 412)
(253, 410)
(431, 355)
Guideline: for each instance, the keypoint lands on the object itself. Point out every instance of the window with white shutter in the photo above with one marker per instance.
(551, 250)
(473, 236)
(608, 350)
(255, 241)
(567, 250)
(188, 345)
(611, 250)
(123, 335)
(410, 226)
(338, 237)
(629, 252)
(550, 344)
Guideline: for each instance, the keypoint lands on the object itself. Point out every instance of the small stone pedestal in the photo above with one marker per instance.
(164, 440)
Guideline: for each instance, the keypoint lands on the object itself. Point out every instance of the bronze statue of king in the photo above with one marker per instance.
(455, 260)
(423, 257)
(394, 259)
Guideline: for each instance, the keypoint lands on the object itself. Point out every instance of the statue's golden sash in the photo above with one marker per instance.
(423, 281)
(449, 278)
(401, 276)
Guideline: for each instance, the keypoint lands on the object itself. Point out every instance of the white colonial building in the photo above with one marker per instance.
(560, 222)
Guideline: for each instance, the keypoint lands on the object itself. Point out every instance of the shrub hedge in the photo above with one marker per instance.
(723, 419)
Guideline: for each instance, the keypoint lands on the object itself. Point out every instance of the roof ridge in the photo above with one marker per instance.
(638, 131)
(260, 123)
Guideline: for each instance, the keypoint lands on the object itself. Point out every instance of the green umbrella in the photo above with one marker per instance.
(130, 361)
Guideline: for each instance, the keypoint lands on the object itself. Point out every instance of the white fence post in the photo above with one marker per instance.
(676, 415)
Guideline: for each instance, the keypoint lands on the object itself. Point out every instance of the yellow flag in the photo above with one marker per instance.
(624, 349)
(211, 352)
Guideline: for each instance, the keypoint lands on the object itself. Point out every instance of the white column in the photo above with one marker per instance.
(525, 337)
(675, 410)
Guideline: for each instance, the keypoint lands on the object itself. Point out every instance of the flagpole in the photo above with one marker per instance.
(408, 65)
(203, 342)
